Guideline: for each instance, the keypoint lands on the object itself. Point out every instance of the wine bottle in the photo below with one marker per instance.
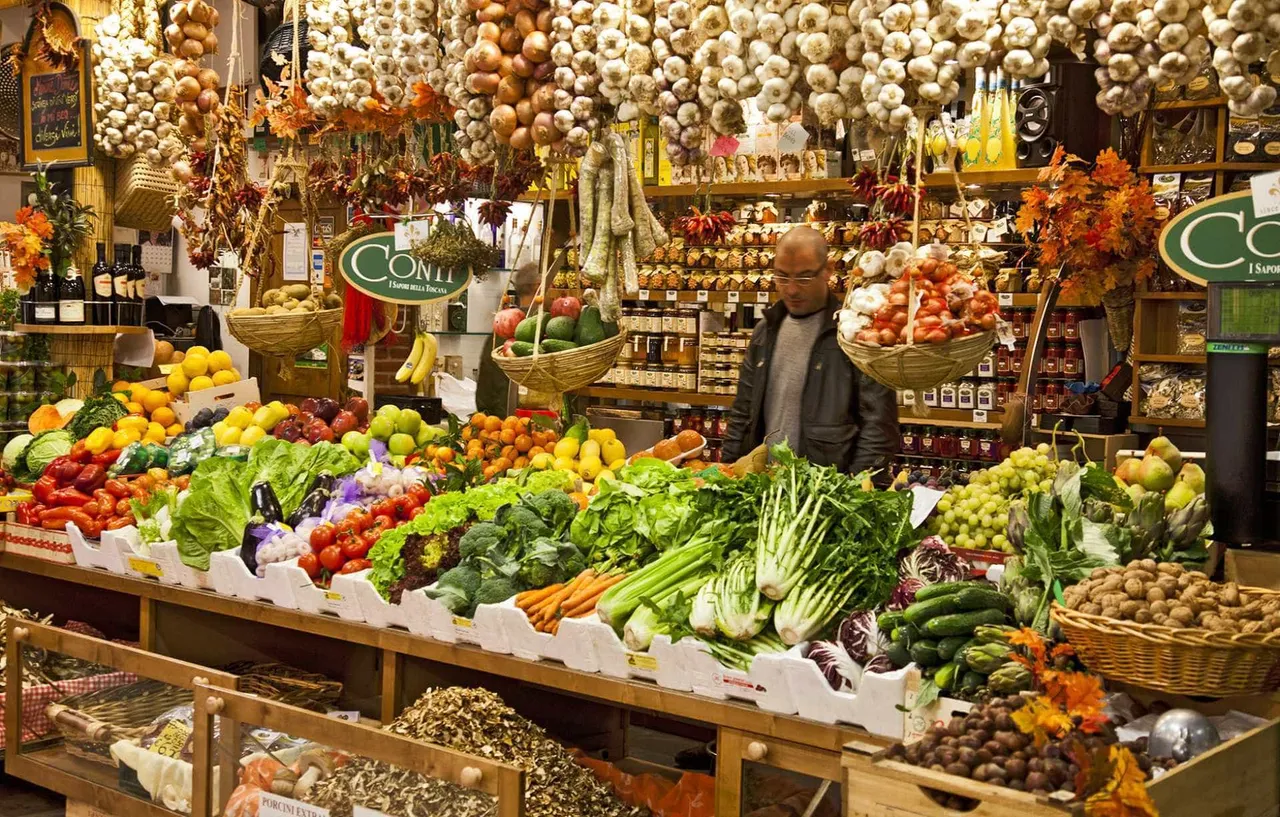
(101, 289)
(137, 285)
(46, 300)
(71, 298)
(120, 282)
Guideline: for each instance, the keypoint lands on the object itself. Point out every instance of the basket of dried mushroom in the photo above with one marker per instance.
(1161, 626)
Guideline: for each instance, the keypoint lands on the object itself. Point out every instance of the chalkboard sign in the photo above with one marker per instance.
(56, 105)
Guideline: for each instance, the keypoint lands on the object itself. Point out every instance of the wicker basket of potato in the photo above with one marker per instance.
(289, 320)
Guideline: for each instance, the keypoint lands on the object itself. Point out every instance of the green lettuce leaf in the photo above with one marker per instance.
(214, 514)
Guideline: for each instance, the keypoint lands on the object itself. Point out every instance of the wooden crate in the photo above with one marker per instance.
(230, 395)
(1237, 779)
(36, 542)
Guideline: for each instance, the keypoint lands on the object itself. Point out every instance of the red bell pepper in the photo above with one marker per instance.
(91, 479)
(80, 454)
(117, 522)
(44, 488)
(65, 472)
(107, 458)
(26, 513)
(64, 497)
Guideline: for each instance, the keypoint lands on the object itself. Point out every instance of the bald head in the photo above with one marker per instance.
(801, 271)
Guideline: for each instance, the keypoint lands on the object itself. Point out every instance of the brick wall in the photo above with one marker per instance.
(387, 359)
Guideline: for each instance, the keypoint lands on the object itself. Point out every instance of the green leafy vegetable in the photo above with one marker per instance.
(101, 410)
(43, 449)
(214, 514)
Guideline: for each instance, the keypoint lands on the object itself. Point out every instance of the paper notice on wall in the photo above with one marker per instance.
(297, 255)
(1265, 189)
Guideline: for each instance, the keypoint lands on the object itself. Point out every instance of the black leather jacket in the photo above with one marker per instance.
(847, 419)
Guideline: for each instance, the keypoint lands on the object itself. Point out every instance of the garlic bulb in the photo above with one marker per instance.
(414, 53)
(135, 83)
(682, 98)
(331, 29)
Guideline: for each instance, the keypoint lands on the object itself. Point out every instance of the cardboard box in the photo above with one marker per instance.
(1254, 568)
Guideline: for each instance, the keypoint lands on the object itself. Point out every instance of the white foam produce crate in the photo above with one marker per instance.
(101, 555)
(765, 683)
(663, 663)
(339, 599)
(874, 707)
(175, 572)
(571, 645)
(373, 607)
(485, 630)
(232, 578)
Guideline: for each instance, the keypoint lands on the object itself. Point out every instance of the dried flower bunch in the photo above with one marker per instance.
(453, 245)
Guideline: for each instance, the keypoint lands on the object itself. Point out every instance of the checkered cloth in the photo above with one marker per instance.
(35, 699)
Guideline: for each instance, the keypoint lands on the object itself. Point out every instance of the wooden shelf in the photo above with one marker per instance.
(79, 779)
(810, 187)
(1165, 421)
(58, 329)
(948, 418)
(659, 396)
(984, 178)
(714, 297)
(1190, 359)
(1191, 104)
(1172, 296)
(1211, 167)
(548, 674)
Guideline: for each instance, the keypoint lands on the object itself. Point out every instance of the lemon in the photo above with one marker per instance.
(617, 465)
(542, 461)
(590, 467)
(589, 449)
(133, 422)
(198, 350)
(174, 430)
(121, 385)
(232, 436)
(201, 382)
(154, 429)
(566, 464)
(240, 417)
(219, 361)
(223, 377)
(251, 435)
(177, 382)
(123, 398)
(195, 365)
(594, 434)
(612, 451)
(566, 449)
(235, 375)
(604, 475)
(607, 435)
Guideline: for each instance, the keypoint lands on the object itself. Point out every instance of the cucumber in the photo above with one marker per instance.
(889, 620)
(925, 653)
(977, 598)
(521, 349)
(553, 345)
(898, 654)
(961, 623)
(947, 676)
(972, 681)
(910, 633)
(921, 611)
(933, 591)
(898, 636)
(949, 646)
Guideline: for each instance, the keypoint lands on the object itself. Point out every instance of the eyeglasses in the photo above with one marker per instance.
(803, 279)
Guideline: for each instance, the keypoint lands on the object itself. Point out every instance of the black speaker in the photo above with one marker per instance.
(1059, 109)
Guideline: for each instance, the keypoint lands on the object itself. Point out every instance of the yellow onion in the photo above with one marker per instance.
(208, 78)
(188, 89)
(510, 39)
(544, 20)
(493, 12)
(525, 112)
(488, 31)
(503, 120)
(521, 139)
(487, 55)
(544, 129)
(537, 47)
(526, 23)
(510, 90)
(483, 83)
(521, 66)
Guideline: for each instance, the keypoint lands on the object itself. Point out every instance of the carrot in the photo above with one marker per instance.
(592, 590)
(554, 626)
(530, 598)
(548, 609)
(584, 607)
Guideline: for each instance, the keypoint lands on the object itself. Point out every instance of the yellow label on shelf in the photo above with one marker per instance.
(332, 596)
(459, 621)
(172, 739)
(642, 662)
(146, 567)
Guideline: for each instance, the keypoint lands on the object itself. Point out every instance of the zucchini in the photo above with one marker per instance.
(961, 623)
(933, 591)
(947, 676)
(949, 646)
(889, 620)
(921, 611)
(898, 654)
(898, 636)
(925, 653)
(972, 681)
(977, 598)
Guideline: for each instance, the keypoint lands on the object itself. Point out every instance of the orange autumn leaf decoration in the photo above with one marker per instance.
(284, 107)
(1042, 720)
(1117, 783)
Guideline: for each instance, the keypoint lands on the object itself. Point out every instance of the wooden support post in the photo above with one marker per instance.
(729, 748)
(392, 685)
(147, 624)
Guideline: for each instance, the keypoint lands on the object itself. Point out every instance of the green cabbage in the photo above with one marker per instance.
(43, 449)
(13, 450)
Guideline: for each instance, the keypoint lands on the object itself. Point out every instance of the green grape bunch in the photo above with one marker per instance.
(976, 515)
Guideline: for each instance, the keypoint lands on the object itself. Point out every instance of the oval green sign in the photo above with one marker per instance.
(374, 266)
(1222, 241)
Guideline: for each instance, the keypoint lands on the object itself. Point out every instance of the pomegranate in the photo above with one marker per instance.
(506, 321)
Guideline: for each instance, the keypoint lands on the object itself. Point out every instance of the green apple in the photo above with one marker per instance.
(409, 422)
(356, 443)
(382, 427)
(389, 411)
(401, 444)
(426, 434)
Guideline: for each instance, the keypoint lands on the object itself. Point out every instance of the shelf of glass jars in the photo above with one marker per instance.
(810, 187)
(657, 396)
(79, 329)
(1211, 167)
(1171, 422)
(716, 297)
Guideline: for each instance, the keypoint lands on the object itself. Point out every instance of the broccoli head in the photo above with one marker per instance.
(462, 577)
(555, 508)
(495, 591)
(548, 561)
(479, 540)
(523, 524)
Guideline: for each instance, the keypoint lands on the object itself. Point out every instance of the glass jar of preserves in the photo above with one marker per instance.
(1018, 324)
(686, 350)
(910, 440)
(1052, 396)
(1071, 324)
(1053, 325)
(667, 378)
(946, 443)
(654, 354)
(686, 378)
(988, 446)
(687, 320)
(966, 395)
(947, 395)
(930, 398)
(1004, 361)
(967, 444)
(985, 397)
(928, 442)
(635, 375)
(1051, 363)
(668, 320)
(1015, 360)
(1072, 361)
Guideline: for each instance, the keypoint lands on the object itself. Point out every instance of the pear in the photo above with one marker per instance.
(1179, 496)
(1193, 476)
(1154, 473)
(1127, 471)
(1136, 492)
(1164, 448)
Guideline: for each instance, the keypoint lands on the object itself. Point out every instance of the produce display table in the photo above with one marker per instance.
(746, 734)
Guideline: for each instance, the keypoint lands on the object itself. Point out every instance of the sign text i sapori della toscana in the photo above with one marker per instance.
(373, 265)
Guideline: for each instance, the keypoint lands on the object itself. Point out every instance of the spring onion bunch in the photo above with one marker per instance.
(739, 654)
(741, 612)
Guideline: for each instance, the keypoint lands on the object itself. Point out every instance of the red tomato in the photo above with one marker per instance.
(384, 507)
(357, 547)
(356, 565)
(421, 493)
(360, 519)
(405, 503)
(413, 514)
(322, 536)
(310, 564)
(332, 558)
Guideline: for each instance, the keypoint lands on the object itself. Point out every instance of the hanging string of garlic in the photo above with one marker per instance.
(476, 140)
(405, 51)
(681, 115)
(135, 86)
(1025, 40)
(576, 96)
(339, 73)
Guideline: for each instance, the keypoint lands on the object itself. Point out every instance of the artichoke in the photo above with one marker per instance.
(1010, 678)
(1066, 470)
(1026, 604)
(986, 658)
(1186, 524)
(1146, 524)
(1095, 510)
(993, 633)
(1019, 521)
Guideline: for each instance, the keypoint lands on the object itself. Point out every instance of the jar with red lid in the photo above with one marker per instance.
(677, 423)
(967, 444)
(1018, 324)
(928, 442)
(910, 440)
(1071, 324)
(1072, 361)
(717, 425)
(1015, 360)
(1053, 325)
(988, 447)
(1052, 396)
(1004, 361)
(1037, 398)
(706, 424)
(946, 443)
(1052, 360)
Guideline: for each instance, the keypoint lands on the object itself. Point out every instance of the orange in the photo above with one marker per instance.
(446, 455)
(174, 430)
(666, 449)
(521, 462)
(477, 420)
(490, 472)
(164, 415)
(535, 451)
(466, 432)
(580, 498)
(492, 424)
(121, 385)
(688, 439)
(153, 400)
(502, 463)
(511, 423)
(523, 443)
(508, 435)
(509, 452)
(539, 438)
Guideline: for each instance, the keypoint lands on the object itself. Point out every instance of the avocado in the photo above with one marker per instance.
(526, 328)
(610, 329)
(522, 348)
(553, 345)
(561, 328)
(590, 329)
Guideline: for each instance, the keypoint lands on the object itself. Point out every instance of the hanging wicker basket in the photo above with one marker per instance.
(563, 371)
(920, 365)
(286, 334)
(1181, 661)
(145, 195)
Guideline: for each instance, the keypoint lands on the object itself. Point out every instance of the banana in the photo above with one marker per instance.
(428, 360)
(411, 362)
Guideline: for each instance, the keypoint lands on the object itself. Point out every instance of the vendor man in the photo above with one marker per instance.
(797, 385)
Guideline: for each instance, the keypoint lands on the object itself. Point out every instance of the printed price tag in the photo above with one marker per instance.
(923, 501)
(1265, 189)
(172, 739)
(733, 296)
(702, 296)
(273, 805)
(146, 567)
(867, 155)
(672, 295)
(641, 661)
(979, 415)
(1005, 298)
(459, 621)
(644, 294)
(762, 297)
(332, 596)
(348, 715)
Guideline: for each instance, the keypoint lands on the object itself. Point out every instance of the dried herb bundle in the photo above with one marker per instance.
(396, 792)
(452, 245)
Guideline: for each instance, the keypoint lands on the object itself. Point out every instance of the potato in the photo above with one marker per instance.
(297, 291)
(254, 310)
(291, 303)
(276, 309)
(306, 306)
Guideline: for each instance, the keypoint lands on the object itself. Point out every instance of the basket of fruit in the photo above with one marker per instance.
(1161, 626)
(289, 320)
(926, 323)
(558, 350)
